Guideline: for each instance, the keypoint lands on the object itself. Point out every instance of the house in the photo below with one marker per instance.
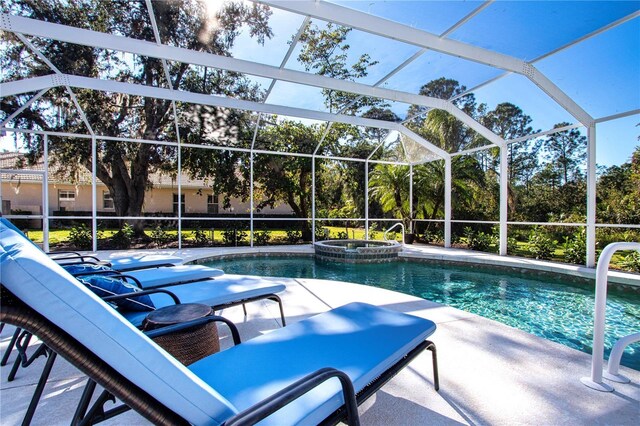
(21, 193)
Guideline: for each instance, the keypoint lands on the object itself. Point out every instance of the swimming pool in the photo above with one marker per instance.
(547, 306)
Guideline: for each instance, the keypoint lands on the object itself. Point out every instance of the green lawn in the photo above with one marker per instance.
(57, 236)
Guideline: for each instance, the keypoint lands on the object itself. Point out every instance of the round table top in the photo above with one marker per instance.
(176, 314)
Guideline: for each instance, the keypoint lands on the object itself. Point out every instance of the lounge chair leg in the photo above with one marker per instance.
(85, 399)
(12, 343)
(244, 308)
(22, 343)
(37, 394)
(436, 379)
(98, 414)
(23, 360)
(277, 299)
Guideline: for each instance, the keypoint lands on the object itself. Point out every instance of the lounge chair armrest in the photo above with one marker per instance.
(105, 272)
(71, 255)
(111, 273)
(292, 392)
(200, 321)
(175, 298)
(82, 259)
(55, 254)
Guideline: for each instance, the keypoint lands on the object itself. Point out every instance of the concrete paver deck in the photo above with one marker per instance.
(490, 374)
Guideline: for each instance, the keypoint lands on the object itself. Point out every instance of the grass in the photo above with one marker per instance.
(57, 236)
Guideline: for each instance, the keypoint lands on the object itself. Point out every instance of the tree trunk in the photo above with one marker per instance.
(127, 187)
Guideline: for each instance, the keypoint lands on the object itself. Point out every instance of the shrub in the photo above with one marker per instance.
(512, 242)
(322, 233)
(234, 236)
(575, 247)
(477, 240)
(540, 244)
(432, 235)
(293, 236)
(342, 235)
(80, 237)
(261, 238)
(606, 236)
(373, 231)
(427, 237)
(200, 237)
(160, 236)
(122, 239)
(631, 262)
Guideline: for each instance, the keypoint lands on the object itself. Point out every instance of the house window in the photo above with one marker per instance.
(175, 203)
(212, 203)
(107, 200)
(6, 207)
(66, 195)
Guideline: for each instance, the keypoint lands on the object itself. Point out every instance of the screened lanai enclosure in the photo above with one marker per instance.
(471, 120)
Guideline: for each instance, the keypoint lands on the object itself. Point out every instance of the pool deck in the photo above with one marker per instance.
(490, 373)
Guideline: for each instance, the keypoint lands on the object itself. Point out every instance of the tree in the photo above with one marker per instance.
(441, 128)
(447, 132)
(364, 143)
(389, 184)
(618, 192)
(444, 88)
(509, 122)
(125, 168)
(428, 183)
(566, 150)
(283, 178)
(324, 51)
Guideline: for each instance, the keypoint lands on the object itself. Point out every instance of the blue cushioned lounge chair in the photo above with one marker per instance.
(184, 283)
(310, 372)
(190, 283)
(122, 263)
(202, 288)
(196, 284)
(172, 275)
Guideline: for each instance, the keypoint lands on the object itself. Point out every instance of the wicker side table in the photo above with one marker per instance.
(189, 345)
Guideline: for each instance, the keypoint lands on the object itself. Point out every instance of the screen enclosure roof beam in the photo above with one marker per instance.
(140, 47)
(23, 86)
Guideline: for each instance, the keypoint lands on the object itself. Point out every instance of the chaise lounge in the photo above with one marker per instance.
(284, 377)
(122, 263)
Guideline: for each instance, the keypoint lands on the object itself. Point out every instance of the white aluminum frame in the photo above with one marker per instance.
(332, 13)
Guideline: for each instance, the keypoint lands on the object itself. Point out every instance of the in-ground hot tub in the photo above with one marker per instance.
(357, 251)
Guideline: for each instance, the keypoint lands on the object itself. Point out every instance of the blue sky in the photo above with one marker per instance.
(601, 74)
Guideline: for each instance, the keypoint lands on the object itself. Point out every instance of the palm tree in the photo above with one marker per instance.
(389, 184)
(444, 130)
(428, 184)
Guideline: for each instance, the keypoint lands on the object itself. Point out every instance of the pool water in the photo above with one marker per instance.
(547, 306)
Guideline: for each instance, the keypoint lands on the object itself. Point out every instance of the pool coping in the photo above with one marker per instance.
(516, 263)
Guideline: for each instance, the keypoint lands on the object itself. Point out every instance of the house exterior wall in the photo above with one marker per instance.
(27, 196)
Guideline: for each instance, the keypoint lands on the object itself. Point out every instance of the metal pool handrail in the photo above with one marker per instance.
(387, 231)
(595, 381)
